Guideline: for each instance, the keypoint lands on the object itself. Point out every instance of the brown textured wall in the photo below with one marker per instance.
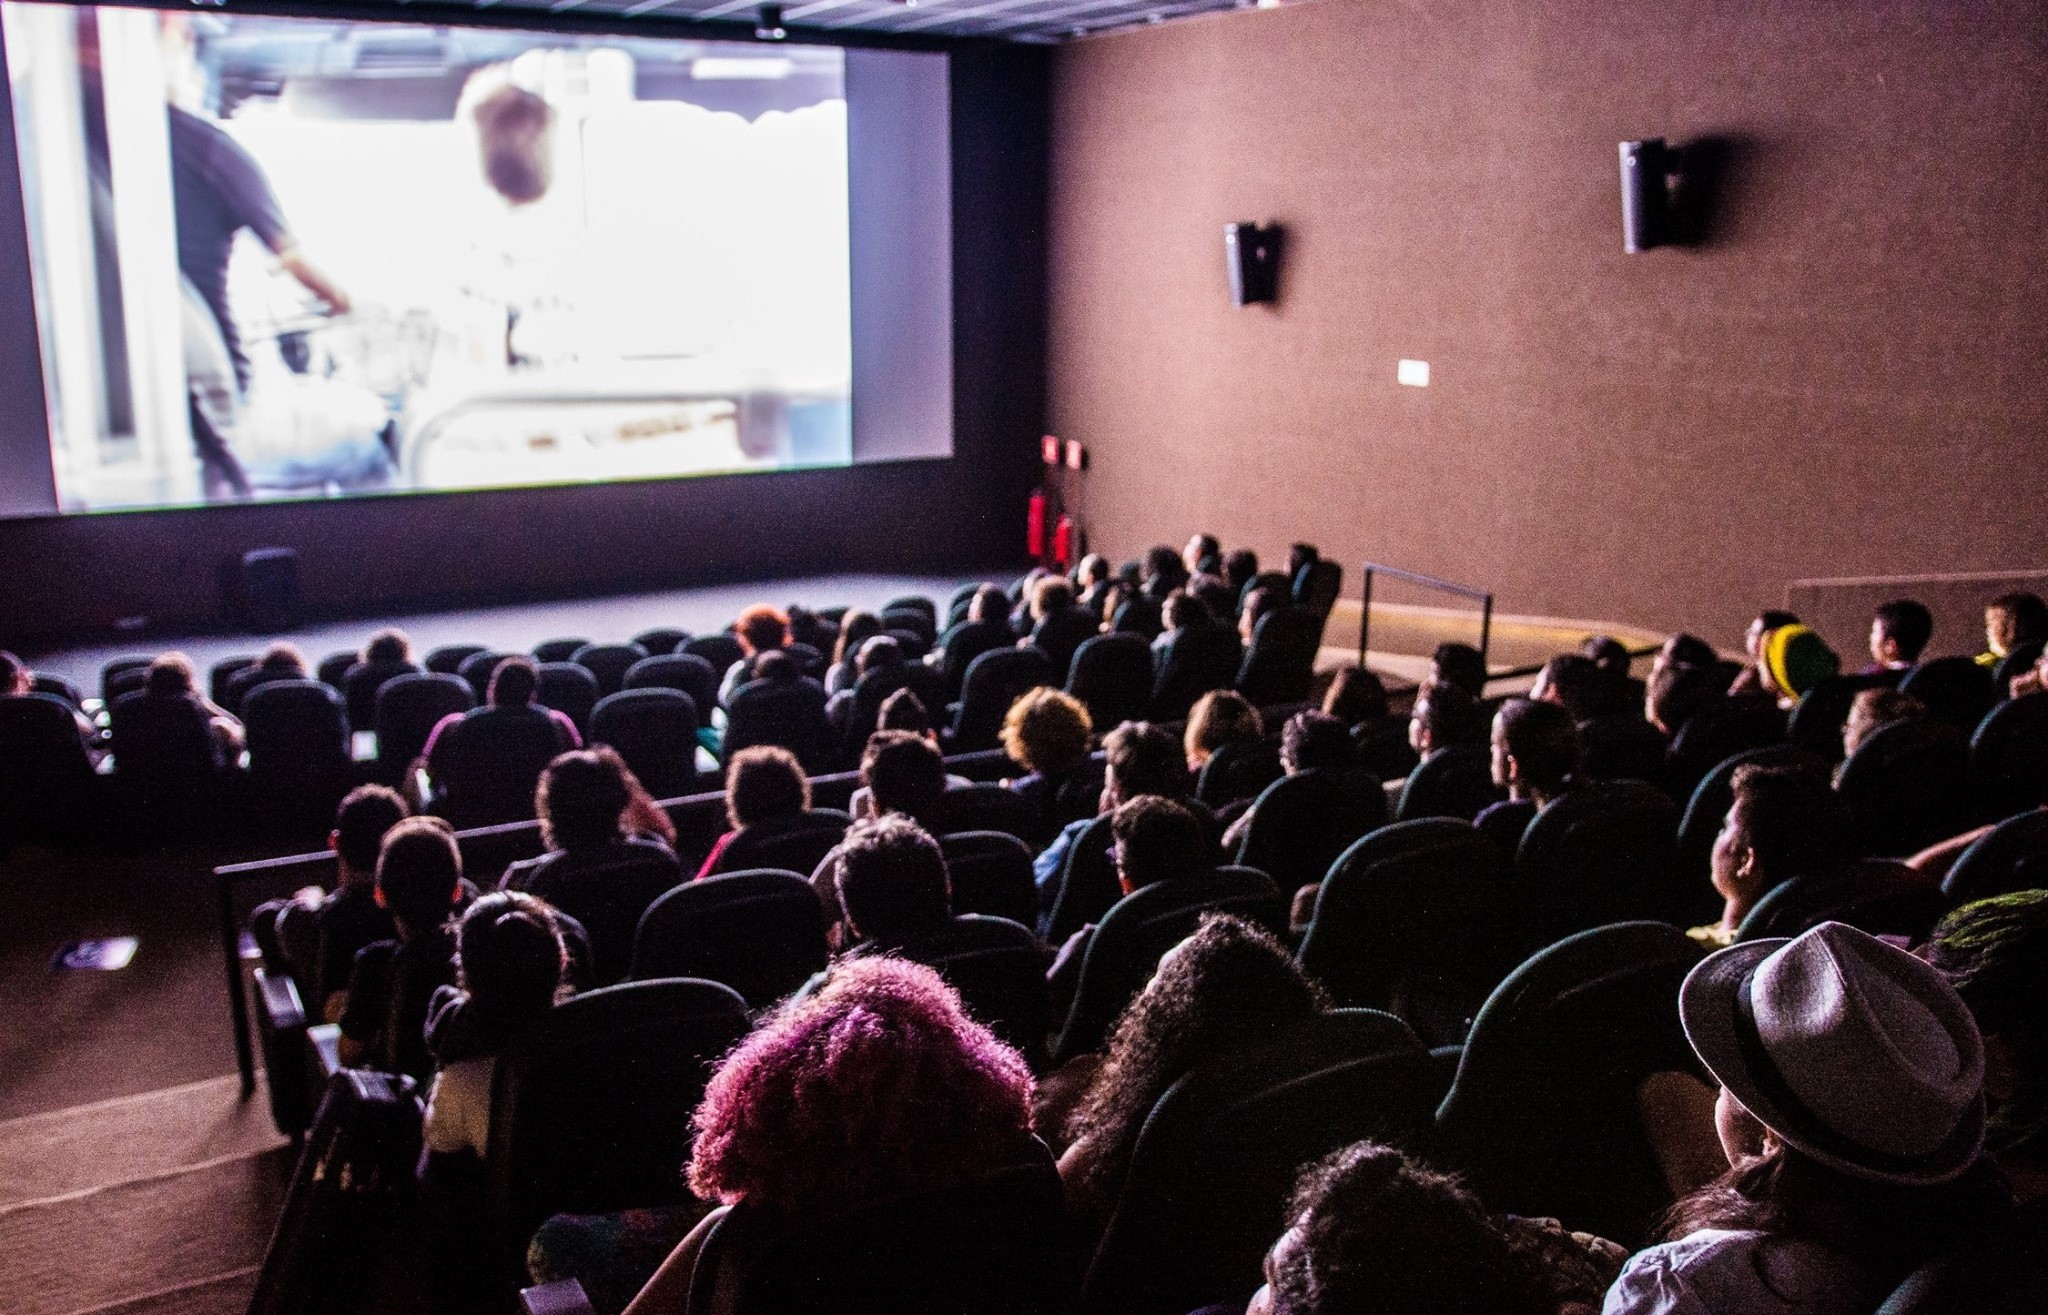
(1846, 379)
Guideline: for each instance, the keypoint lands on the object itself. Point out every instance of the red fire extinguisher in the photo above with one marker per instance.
(1034, 525)
(1063, 541)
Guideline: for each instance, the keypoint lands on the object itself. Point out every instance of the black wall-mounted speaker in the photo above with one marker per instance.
(1645, 194)
(1252, 256)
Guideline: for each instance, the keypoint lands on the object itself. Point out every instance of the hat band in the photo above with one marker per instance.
(1805, 1128)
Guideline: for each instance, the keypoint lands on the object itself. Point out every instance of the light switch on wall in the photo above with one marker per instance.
(1415, 374)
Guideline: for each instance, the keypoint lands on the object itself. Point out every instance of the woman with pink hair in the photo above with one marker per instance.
(879, 1084)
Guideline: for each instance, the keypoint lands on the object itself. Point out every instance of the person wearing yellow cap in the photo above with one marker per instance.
(1795, 659)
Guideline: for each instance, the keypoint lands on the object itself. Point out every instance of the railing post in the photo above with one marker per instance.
(1486, 627)
(1364, 613)
(238, 1003)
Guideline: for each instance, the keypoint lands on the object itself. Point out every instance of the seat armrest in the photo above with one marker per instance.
(562, 1297)
(324, 1049)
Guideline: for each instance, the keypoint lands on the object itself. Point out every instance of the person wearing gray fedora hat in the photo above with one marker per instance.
(1852, 1115)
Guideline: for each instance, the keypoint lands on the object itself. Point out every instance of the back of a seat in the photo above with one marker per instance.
(917, 620)
(609, 663)
(1319, 585)
(677, 671)
(1816, 723)
(1908, 786)
(2012, 856)
(568, 689)
(869, 692)
(965, 642)
(1601, 853)
(720, 650)
(992, 1247)
(998, 967)
(558, 650)
(660, 641)
(2018, 661)
(1112, 676)
(789, 713)
(760, 932)
(1717, 733)
(2002, 1270)
(1409, 921)
(123, 675)
(447, 660)
(990, 872)
(986, 807)
(1087, 884)
(161, 741)
(45, 771)
(1881, 896)
(296, 729)
(1715, 795)
(490, 762)
(478, 668)
(1955, 689)
(655, 731)
(591, 1105)
(1621, 746)
(252, 678)
(2009, 756)
(1543, 1114)
(408, 709)
(1138, 615)
(1239, 771)
(1454, 782)
(218, 677)
(994, 681)
(1279, 667)
(360, 685)
(1301, 823)
(798, 846)
(1140, 928)
(1215, 1163)
(609, 899)
(1198, 658)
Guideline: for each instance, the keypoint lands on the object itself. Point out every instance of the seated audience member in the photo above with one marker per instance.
(1216, 595)
(1047, 732)
(1091, 581)
(877, 1085)
(419, 882)
(1852, 1116)
(1203, 555)
(1141, 759)
(1164, 572)
(1995, 954)
(1300, 555)
(387, 656)
(1444, 717)
(1677, 690)
(508, 699)
(1220, 717)
(1257, 605)
(1874, 709)
(1573, 682)
(318, 932)
(1751, 678)
(765, 791)
(1785, 823)
(1369, 1229)
(1228, 986)
(172, 676)
(1058, 627)
(879, 653)
(1357, 698)
(855, 629)
(1460, 666)
(1685, 650)
(1899, 632)
(1795, 659)
(808, 628)
(279, 661)
(2012, 621)
(890, 879)
(610, 853)
(986, 629)
(760, 630)
(511, 967)
(904, 711)
(1240, 566)
(1309, 741)
(901, 775)
(17, 679)
(2031, 681)
(1535, 752)
(1181, 611)
(1156, 840)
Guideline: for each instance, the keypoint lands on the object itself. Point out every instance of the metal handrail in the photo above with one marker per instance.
(1370, 569)
(1516, 673)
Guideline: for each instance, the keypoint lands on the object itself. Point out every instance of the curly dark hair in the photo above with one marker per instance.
(1369, 1229)
(878, 1084)
(1228, 985)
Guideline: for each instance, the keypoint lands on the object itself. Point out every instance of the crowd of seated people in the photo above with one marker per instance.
(1877, 1048)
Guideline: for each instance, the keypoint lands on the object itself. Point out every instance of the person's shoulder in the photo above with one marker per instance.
(1717, 1269)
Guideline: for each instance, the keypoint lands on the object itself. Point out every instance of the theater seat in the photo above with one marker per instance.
(568, 689)
(361, 684)
(1955, 689)
(1239, 771)
(299, 764)
(1279, 667)
(1301, 823)
(720, 650)
(797, 845)
(2012, 856)
(590, 1105)
(992, 1247)
(678, 671)
(1318, 586)
(1112, 676)
(1543, 1116)
(1715, 795)
(476, 671)
(408, 709)
(447, 660)
(994, 681)
(1454, 782)
(1143, 926)
(998, 967)
(1198, 658)
(1601, 853)
(760, 932)
(1217, 1158)
(655, 731)
(165, 762)
(487, 765)
(990, 873)
(1087, 883)
(558, 650)
(789, 713)
(609, 663)
(1881, 896)
(985, 807)
(661, 641)
(1907, 786)
(2009, 756)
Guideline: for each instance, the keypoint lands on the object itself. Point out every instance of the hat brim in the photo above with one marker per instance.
(1707, 1007)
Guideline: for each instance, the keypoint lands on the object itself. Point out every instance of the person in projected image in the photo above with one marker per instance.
(218, 189)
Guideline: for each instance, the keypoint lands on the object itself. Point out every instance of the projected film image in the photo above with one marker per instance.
(289, 258)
